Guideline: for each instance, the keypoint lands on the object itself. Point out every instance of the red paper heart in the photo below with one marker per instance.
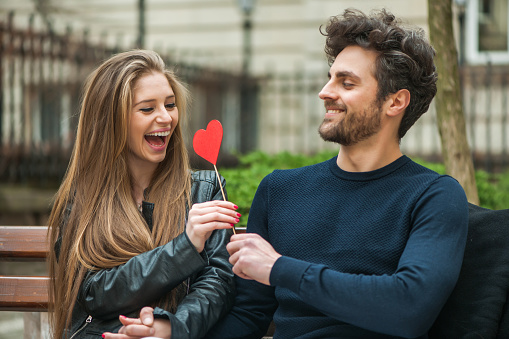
(206, 143)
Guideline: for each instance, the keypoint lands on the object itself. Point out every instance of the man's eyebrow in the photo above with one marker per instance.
(347, 74)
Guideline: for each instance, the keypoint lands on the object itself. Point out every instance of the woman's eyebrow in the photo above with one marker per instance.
(144, 101)
(150, 100)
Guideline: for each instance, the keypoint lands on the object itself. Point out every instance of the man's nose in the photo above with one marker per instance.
(328, 92)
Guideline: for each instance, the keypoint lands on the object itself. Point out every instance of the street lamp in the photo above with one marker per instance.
(246, 7)
(248, 109)
(140, 41)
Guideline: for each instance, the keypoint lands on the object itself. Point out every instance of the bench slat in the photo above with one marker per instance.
(24, 294)
(23, 243)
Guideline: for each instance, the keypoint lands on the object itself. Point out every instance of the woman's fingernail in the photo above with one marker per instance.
(236, 220)
(146, 321)
(103, 335)
(239, 215)
(123, 316)
(232, 225)
(235, 206)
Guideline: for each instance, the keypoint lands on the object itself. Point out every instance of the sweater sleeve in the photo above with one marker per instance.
(255, 303)
(404, 303)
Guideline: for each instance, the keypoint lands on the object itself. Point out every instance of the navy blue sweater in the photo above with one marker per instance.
(365, 255)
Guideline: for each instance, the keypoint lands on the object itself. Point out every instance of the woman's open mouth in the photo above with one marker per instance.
(157, 139)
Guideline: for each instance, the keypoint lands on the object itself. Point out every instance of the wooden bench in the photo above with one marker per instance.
(27, 294)
(26, 244)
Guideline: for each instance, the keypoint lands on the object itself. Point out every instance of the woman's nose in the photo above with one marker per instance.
(163, 116)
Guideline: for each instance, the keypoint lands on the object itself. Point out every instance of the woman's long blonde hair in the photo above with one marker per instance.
(104, 229)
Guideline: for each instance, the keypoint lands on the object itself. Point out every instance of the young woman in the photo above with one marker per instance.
(132, 225)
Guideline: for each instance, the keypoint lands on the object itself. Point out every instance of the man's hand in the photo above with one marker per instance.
(144, 326)
(252, 257)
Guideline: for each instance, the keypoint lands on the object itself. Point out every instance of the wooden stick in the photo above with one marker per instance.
(222, 191)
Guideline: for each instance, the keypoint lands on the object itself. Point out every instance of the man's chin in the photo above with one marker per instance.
(326, 135)
(331, 134)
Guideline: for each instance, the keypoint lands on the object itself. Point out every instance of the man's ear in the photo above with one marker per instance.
(399, 101)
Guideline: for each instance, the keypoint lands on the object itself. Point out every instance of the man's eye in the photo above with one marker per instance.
(170, 106)
(347, 85)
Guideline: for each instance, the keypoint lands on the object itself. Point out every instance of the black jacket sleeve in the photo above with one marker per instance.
(146, 277)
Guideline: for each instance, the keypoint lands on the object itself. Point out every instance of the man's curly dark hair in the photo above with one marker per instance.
(405, 57)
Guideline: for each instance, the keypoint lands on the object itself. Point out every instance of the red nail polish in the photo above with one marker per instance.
(103, 335)
(239, 215)
(235, 206)
(123, 316)
(232, 225)
(236, 220)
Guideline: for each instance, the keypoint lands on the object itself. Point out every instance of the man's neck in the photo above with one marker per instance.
(367, 156)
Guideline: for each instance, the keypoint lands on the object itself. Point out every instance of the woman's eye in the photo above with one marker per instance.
(146, 110)
(170, 106)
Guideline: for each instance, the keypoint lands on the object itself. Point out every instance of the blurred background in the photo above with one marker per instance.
(256, 65)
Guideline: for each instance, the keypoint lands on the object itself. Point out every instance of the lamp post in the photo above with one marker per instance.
(248, 109)
(246, 6)
(140, 41)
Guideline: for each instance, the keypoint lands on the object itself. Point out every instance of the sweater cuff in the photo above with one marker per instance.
(288, 272)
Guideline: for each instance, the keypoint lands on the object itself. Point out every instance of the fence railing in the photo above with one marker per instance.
(291, 113)
(486, 108)
(41, 77)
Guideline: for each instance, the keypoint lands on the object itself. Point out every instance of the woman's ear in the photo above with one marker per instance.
(399, 102)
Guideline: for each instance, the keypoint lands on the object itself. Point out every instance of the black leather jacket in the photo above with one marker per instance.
(125, 289)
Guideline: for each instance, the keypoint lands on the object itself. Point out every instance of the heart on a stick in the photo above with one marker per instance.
(206, 143)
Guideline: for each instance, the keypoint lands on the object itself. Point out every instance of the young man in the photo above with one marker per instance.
(368, 244)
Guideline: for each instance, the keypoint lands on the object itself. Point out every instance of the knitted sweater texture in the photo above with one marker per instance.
(364, 255)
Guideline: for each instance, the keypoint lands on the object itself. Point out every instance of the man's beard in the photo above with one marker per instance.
(353, 127)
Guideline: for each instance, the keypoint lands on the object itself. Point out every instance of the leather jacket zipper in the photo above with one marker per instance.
(88, 321)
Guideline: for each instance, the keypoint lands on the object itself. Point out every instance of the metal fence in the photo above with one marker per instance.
(291, 113)
(486, 107)
(41, 77)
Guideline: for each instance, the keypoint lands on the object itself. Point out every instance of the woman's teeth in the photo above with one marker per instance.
(159, 134)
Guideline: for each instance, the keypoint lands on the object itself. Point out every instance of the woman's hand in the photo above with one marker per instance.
(144, 326)
(208, 216)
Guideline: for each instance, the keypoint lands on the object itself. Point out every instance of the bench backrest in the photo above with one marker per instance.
(23, 293)
(27, 244)
(478, 307)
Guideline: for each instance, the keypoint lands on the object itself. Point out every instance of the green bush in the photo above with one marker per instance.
(243, 180)
(493, 189)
